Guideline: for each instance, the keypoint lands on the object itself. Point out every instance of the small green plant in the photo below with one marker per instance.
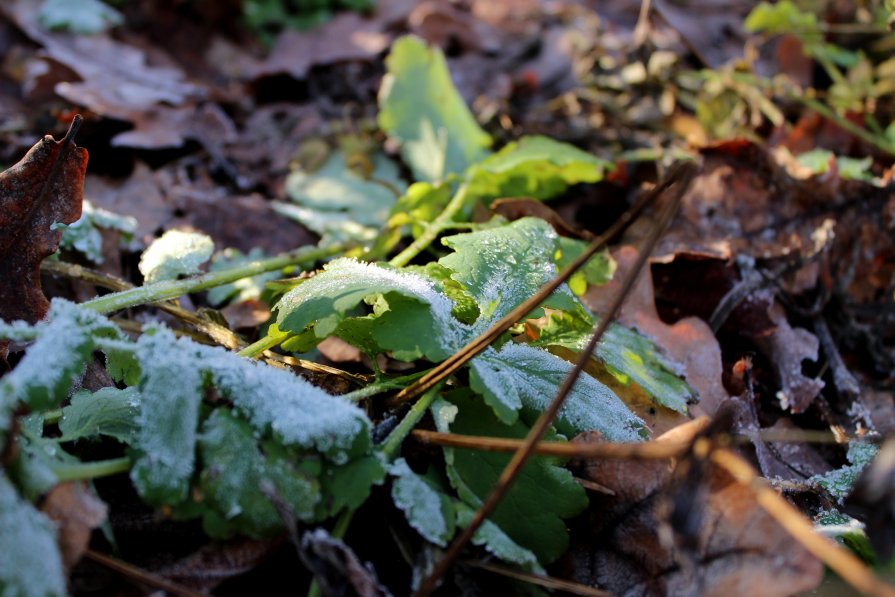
(232, 436)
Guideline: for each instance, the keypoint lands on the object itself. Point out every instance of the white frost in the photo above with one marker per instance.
(422, 504)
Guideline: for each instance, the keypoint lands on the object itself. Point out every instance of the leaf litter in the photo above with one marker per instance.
(559, 106)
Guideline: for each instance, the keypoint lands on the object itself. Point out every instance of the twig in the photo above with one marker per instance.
(141, 576)
(839, 559)
(547, 582)
(168, 289)
(842, 377)
(681, 180)
(474, 347)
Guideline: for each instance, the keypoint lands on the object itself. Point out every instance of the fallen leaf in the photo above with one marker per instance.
(216, 562)
(44, 188)
(786, 347)
(337, 568)
(140, 196)
(736, 549)
(348, 36)
(76, 512)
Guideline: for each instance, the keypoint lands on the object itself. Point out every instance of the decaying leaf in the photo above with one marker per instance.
(76, 512)
(737, 549)
(44, 188)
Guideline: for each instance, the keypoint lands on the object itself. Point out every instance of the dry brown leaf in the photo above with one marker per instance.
(44, 188)
(141, 196)
(217, 562)
(76, 512)
(736, 549)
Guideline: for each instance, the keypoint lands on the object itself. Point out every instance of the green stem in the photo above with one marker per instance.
(52, 416)
(267, 342)
(382, 386)
(392, 445)
(168, 289)
(86, 471)
(444, 221)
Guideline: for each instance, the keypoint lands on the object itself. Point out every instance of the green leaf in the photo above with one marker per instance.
(523, 377)
(628, 356)
(535, 166)
(428, 510)
(421, 109)
(347, 486)
(338, 204)
(171, 387)
(502, 267)
(840, 482)
(57, 358)
(108, 411)
(497, 543)
(175, 253)
(240, 474)
(598, 270)
(31, 564)
(243, 289)
(532, 511)
(84, 235)
(85, 17)
(332, 295)
(782, 18)
(420, 204)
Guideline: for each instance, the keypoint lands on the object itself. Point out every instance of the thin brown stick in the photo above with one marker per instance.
(641, 451)
(840, 560)
(548, 582)
(645, 451)
(138, 575)
(680, 178)
(474, 347)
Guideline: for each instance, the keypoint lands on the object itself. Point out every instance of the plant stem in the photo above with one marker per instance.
(168, 289)
(444, 221)
(86, 471)
(381, 386)
(267, 342)
(392, 444)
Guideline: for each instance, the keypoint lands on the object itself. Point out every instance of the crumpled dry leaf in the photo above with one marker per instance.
(44, 188)
(689, 342)
(217, 562)
(737, 549)
(786, 347)
(76, 512)
(337, 568)
(347, 36)
(117, 82)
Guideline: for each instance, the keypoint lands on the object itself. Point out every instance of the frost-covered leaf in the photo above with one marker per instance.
(85, 17)
(501, 267)
(108, 411)
(847, 531)
(532, 512)
(175, 253)
(243, 289)
(84, 235)
(240, 474)
(524, 377)
(428, 510)
(839, 483)
(628, 356)
(419, 106)
(57, 358)
(31, 564)
(339, 204)
(497, 543)
(535, 166)
(335, 293)
(171, 387)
